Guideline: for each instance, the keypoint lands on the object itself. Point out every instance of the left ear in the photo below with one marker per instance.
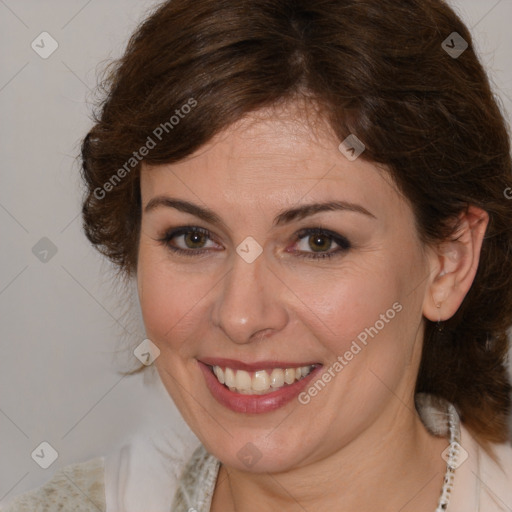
(455, 263)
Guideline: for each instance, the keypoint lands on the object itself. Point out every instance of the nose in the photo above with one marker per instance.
(249, 304)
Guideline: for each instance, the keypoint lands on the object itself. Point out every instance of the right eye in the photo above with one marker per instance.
(187, 240)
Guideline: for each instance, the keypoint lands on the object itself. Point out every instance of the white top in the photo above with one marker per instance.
(143, 477)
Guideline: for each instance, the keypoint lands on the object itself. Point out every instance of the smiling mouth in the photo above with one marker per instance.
(260, 382)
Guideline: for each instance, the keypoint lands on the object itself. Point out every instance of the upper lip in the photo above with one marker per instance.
(251, 367)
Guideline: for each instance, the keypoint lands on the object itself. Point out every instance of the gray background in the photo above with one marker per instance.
(63, 322)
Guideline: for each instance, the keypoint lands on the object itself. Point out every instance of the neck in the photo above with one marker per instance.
(394, 465)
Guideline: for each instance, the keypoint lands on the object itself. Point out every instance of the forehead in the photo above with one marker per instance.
(285, 134)
(274, 157)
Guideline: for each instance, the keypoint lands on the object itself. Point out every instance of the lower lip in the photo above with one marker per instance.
(254, 404)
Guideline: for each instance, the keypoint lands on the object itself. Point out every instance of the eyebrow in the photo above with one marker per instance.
(284, 217)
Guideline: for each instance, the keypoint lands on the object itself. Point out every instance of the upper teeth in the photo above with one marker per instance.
(261, 381)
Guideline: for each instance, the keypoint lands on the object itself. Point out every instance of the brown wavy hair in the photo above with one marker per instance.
(374, 68)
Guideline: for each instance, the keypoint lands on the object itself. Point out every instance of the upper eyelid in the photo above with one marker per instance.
(181, 231)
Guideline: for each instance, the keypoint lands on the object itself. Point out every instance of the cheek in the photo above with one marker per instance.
(366, 312)
(170, 301)
(339, 304)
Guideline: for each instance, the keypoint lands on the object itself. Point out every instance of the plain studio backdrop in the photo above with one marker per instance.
(62, 324)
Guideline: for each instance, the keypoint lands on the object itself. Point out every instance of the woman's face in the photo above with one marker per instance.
(266, 284)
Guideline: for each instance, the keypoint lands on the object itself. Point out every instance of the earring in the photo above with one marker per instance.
(440, 326)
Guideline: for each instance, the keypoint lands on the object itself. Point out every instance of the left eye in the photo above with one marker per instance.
(319, 241)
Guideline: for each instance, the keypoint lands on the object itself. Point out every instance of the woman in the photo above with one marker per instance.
(311, 199)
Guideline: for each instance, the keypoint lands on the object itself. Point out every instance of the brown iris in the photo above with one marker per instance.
(315, 243)
(194, 237)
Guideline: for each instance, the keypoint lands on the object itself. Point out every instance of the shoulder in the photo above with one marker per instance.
(197, 482)
(78, 487)
(482, 481)
(482, 478)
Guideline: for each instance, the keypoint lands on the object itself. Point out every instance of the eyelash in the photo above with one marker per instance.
(342, 242)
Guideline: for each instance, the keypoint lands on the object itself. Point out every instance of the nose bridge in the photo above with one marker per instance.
(248, 303)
